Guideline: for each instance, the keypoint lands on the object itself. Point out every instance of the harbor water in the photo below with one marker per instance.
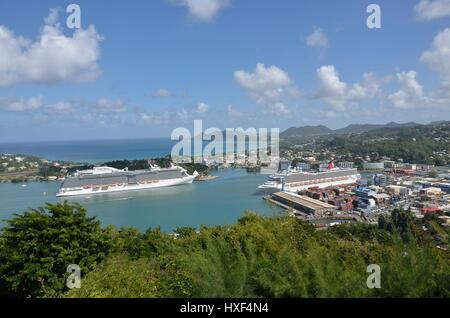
(215, 202)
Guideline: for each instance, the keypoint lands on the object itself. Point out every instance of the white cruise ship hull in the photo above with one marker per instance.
(274, 187)
(123, 188)
(298, 181)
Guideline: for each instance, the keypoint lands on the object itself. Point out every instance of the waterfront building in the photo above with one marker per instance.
(431, 193)
(284, 165)
(380, 180)
(373, 165)
(304, 204)
(303, 166)
(399, 191)
(346, 165)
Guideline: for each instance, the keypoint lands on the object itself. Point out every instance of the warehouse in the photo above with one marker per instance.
(303, 203)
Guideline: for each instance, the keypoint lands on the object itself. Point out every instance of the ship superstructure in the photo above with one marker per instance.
(107, 179)
(293, 181)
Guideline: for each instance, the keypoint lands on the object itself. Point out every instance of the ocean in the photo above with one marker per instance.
(92, 151)
(215, 202)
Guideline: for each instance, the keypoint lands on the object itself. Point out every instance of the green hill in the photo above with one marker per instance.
(428, 144)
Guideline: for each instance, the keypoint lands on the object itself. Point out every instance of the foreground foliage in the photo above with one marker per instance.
(256, 257)
(37, 247)
(270, 257)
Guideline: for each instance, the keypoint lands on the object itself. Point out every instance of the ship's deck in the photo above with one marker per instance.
(125, 177)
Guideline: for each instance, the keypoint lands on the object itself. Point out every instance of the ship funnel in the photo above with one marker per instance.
(331, 164)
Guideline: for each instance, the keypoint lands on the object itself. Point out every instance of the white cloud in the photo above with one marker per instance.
(203, 10)
(432, 9)
(202, 108)
(52, 58)
(59, 108)
(410, 95)
(268, 86)
(155, 118)
(20, 105)
(104, 105)
(52, 17)
(317, 39)
(438, 58)
(182, 115)
(338, 94)
(104, 111)
(162, 92)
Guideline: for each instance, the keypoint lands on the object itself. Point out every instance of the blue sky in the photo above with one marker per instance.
(142, 68)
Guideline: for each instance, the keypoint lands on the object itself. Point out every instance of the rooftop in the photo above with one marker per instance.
(305, 201)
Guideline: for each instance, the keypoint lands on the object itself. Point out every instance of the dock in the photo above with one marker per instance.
(304, 204)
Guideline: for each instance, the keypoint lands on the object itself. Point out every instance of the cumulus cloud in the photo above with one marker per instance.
(60, 107)
(181, 115)
(432, 9)
(162, 92)
(202, 108)
(338, 94)
(317, 39)
(438, 57)
(410, 93)
(268, 86)
(52, 58)
(155, 118)
(203, 10)
(104, 105)
(52, 17)
(21, 104)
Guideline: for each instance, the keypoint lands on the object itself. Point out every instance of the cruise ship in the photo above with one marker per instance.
(107, 179)
(293, 181)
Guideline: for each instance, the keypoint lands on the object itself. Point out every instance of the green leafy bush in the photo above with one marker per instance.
(37, 247)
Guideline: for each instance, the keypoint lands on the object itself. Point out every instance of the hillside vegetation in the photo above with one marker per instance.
(414, 143)
(256, 257)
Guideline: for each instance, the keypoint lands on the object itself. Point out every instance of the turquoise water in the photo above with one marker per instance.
(93, 150)
(215, 202)
(99, 151)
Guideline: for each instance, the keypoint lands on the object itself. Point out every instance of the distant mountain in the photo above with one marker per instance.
(294, 132)
(308, 131)
(411, 142)
(362, 128)
(357, 128)
(393, 124)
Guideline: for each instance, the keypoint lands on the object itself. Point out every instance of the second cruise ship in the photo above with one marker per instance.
(293, 181)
